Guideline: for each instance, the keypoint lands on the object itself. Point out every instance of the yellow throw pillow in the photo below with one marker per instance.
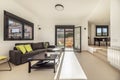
(3, 57)
(28, 48)
(21, 48)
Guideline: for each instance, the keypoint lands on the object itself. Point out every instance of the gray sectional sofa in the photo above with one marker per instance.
(16, 56)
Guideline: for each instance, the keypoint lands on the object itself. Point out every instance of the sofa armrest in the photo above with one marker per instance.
(15, 56)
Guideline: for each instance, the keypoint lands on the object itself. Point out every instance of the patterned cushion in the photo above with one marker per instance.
(21, 48)
(28, 48)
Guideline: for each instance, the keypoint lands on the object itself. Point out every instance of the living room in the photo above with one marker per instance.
(44, 16)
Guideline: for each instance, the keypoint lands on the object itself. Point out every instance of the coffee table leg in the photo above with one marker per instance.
(29, 66)
(54, 66)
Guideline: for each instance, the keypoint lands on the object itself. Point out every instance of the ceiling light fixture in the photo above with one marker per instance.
(59, 7)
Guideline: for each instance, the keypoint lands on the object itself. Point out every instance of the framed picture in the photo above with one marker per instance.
(16, 28)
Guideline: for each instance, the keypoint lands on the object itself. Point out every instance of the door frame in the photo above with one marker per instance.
(64, 27)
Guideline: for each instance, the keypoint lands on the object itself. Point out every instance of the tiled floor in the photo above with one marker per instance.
(94, 68)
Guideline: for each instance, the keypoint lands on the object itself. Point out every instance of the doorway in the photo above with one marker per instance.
(64, 36)
(68, 36)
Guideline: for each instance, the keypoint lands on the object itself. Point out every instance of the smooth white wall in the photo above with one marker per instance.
(16, 9)
(101, 13)
(93, 32)
(47, 32)
(115, 22)
(85, 35)
(46, 23)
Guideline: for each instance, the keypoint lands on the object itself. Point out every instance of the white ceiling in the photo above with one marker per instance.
(79, 9)
(101, 14)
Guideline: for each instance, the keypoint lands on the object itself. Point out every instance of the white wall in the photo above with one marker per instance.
(101, 13)
(47, 32)
(85, 34)
(92, 32)
(16, 9)
(115, 22)
(47, 24)
(99, 16)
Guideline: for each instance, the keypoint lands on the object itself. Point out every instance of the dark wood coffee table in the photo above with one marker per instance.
(43, 61)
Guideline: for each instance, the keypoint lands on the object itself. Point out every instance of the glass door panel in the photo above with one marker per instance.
(77, 38)
(64, 36)
(69, 38)
(60, 37)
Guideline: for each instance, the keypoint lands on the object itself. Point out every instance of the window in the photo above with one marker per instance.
(16, 28)
(102, 30)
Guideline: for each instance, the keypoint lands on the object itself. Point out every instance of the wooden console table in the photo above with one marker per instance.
(99, 39)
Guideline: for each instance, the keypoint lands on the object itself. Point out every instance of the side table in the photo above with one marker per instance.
(4, 59)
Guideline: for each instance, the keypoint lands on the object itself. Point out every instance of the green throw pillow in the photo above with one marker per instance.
(3, 57)
(21, 48)
(28, 48)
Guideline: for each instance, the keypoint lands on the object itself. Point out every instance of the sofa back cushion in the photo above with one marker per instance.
(22, 44)
(36, 46)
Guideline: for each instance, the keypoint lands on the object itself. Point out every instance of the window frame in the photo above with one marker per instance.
(102, 27)
(9, 16)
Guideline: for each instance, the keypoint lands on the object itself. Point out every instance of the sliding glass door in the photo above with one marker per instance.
(60, 37)
(64, 36)
(68, 36)
(77, 38)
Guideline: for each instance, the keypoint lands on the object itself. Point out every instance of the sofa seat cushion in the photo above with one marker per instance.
(31, 54)
(50, 49)
(37, 51)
